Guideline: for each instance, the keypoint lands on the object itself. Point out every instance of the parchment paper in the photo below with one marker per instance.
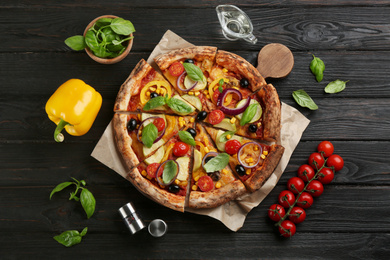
(233, 213)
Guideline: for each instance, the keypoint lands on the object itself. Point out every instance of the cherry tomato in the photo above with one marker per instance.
(306, 172)
(326, 175)
(297, 215)
(159, 123)
(335, 161)
(326, 148)
(305, 200)
(216, 116)
(296, 185)
(205, 183)
(152, 169)
(286, 198)
(176, 69)
(180, 149)
(232, 146)
(316, 160)
(276, 212)
(287, 228)
(315, 188)
(216, 94)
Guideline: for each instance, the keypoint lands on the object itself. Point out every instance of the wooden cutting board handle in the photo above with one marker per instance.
(275, 61)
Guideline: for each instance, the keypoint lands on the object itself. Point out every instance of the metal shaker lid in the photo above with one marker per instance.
(157, 228)
(131, 219)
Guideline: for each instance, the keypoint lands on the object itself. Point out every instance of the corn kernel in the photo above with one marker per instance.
(233, 120)
(153, 89)
(256, 148)
(248, 171)
(181, 123)
(265, 152)
(224, 70)
(143, 173)
(208, 96)
(194, 187)
(236, 88)
(218, 185)
(228, 137)
(184, 183)
(177, 182)
(224, 171)
(196, 178)
(192, 119)
(190, 93)
(148, 93)
(206, 149)
(181, 118)
(258, 124)
(206, 91)
(249, 160)
(197, 93)
(262, 156)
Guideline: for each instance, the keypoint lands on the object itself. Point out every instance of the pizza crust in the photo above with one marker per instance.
(258, 178)
(271, 114)
(216, 197)
(239, 65)
(132, 85)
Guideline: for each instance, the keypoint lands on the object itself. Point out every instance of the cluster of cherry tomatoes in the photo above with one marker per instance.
(309, 183)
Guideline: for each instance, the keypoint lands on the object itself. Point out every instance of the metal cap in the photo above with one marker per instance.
(131, 219)
(157, 228)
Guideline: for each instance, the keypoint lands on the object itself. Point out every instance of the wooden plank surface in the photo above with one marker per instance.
(349, 221)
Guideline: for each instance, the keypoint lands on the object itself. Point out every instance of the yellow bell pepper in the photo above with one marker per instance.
(73, 106)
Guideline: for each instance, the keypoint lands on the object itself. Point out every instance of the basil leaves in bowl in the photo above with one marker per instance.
(107, 39)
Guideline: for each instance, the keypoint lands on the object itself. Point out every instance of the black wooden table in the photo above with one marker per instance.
(350, 220)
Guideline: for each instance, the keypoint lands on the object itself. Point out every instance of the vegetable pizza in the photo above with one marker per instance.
(200, 132)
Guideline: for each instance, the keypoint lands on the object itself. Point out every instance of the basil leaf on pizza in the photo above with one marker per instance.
(217, 163)
(248, 114)
(169, 172)
(154, 103)
(179, 106)
(221, 81)
(223, 137)
(149, 135)
(193, 71)
(187, 138)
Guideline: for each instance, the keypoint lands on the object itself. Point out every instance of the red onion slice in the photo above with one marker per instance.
(231, 111)
(208, 155)
(159, 178)
(179, 80)
(241, 150)
(143, 122)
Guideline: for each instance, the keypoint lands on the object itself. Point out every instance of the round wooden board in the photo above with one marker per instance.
(275, 61)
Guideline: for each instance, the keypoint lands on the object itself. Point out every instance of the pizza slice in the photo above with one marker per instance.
(164, 176)
(257, 116)
(188, 71)
(213, 182)
(146, 90)
(139, 136)
(253, 162)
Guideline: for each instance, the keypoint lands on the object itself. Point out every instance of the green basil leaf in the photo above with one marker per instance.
(336, 86)
(304, 100)
(154, 103)
(248, 114)
(122, 26)
(60, 187)
(73, 196)
(169, 172)
(102, 51)
(91, 41)
(317, 67)
(187, 138)
(70, 238)
(178, 106)
(223, 139)
(149, 135)
(217, 163)
(193, 71)
(102, 22)
(76, 42)
(88, 202)
(109, 34)
(221, 81)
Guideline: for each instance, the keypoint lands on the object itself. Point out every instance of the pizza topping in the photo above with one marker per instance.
(132, 124)
(189, 61)
(179, 105)
(247, 152)
(216, 117)
(154, 102)
(180, 149)
(215, 164)
(153, 95)
(257, 115)
(192, 132)
(232, 111)
(240, 170)
(205, 183)
(174, 188)
(152, 169)
(244, 83)
(186, 137)
(248, 114)
(158, 86)
(232, 146)
(159, 123)
(149, 134)
(252, 128)
(215, 176)
(176, 69)
(193, 71)
(169, 169)
(201, 116)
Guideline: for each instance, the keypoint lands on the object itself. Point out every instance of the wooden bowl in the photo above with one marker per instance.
(108, 60)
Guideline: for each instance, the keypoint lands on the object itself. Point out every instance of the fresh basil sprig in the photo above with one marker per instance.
(248, 114)
(304, 100)
(149, 135)
(86, 198)
(317, 67)
(217, 163)
(336, 86)
(178, 106)
(193, 71)
(187, 138)
(221, 81)
(105, 38)
(169, 172)
(223, 139)
(154, 103)
(71, 237)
